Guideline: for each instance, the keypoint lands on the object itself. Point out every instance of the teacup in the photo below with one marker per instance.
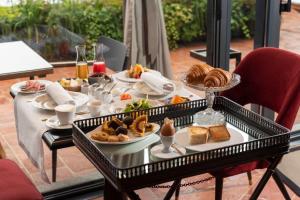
(167, 141)
(94, 107)
(65, 113)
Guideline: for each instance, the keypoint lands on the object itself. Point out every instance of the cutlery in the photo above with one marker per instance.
(82, 113)
(177, 149)
(108, 92)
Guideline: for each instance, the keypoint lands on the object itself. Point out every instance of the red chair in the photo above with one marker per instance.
(14, 184)
(270, 77)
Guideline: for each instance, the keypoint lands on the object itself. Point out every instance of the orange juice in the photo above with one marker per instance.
(82, 70)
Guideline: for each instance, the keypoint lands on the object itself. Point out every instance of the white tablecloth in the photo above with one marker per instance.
(30, 122)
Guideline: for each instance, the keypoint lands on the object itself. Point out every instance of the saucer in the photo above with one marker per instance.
(53, 123)
(156, 152)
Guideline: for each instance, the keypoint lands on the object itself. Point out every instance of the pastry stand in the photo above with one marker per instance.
(209, 116)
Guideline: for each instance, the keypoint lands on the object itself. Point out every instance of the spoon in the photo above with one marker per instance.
(108, 92)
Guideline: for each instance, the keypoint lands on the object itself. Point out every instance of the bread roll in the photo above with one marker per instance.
(217, 78)
(197, 73)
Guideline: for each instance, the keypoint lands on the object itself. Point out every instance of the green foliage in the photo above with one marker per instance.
(185, 19)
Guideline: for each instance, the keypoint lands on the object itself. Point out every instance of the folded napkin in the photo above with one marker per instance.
(59, 94)
(158, 83)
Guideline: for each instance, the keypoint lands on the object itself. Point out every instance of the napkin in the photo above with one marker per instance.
(159, 84)
(59, 94)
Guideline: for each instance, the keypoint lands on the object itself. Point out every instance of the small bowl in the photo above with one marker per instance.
(96, 78)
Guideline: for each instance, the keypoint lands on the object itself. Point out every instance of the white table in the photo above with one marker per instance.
(19, 60)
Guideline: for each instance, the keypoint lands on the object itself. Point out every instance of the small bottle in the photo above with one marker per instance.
(82, 70)
(99, 62)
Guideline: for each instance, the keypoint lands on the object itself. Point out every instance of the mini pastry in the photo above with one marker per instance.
(217, 78)
(115, 123)
(149, 127)
(138, 125)
(121, 130)
(101, 136)
(128, 121)
(219, 133)
(123, 138)
(198, 135)
(167, 128)
(107, 129)
(113, 138)
(197, 73)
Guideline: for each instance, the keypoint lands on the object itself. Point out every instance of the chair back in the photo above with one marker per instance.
(270, 77)
(114, 53)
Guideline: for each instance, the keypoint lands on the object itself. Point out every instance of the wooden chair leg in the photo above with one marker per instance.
(54, 165)
(219, 188)
(249, 177)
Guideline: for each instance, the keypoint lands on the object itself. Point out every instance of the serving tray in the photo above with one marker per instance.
(265, 139)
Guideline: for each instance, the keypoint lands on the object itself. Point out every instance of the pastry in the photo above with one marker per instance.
(197, 73)
(123, 137)
(115, 123)
(101, 136)
(149, 127)
(198, 135)
(167, 128)
(217, 78)
(113, 138)
(121, 130)
(105, 128)
(138, 125)
(219, 133)
(128, 121)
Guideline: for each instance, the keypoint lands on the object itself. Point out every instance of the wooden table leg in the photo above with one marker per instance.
(111, 193)
(54, 164)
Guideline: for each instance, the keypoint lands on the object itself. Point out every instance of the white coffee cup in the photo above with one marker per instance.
(94, 107)
(65, 113)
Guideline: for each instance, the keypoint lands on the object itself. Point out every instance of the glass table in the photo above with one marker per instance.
(130, 167)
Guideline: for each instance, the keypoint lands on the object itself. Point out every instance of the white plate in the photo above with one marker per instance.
(119, 106)
(182, 139)
(132, 138)
(156, 152)
(45, 102)
(143, 88)
(122, 76)
(16, 88)
(53, 123)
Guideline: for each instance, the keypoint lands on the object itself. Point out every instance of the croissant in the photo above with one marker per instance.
(217, 78)
(197, 73)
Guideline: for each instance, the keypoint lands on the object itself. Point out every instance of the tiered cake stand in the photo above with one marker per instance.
(209, 116)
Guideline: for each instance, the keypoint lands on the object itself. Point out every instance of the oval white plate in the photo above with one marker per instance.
(45, 102)
(16, 88)
(122, 76)
(182, 139)
(132, 138)
(143, 88)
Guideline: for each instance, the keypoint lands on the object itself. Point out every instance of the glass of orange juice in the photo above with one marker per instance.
(82, 69)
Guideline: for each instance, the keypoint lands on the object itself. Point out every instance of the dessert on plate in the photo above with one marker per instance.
(117, 130)
(136, 71)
